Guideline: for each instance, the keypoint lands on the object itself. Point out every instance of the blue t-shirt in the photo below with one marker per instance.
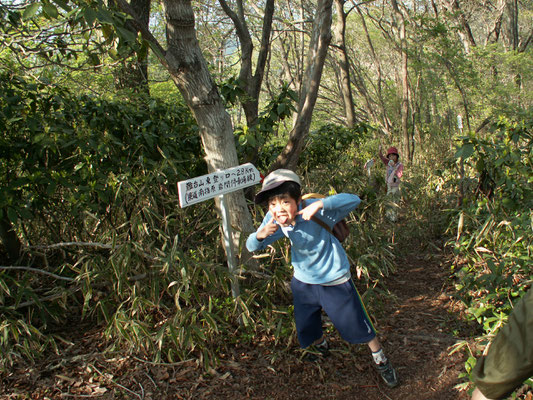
(317, 256)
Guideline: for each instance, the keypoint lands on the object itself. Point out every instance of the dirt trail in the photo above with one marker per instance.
(416, 325)
(417, 330)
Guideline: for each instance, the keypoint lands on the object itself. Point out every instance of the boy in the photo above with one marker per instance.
(322, 277)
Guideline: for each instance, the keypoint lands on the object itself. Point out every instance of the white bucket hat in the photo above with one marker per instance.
(275, 179)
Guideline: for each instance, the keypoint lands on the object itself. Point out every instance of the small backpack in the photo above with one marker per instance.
(340, 230)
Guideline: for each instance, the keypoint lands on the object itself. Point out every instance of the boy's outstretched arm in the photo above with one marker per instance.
(308, 212)
(267, 234)
(340, 205)
(267, 230)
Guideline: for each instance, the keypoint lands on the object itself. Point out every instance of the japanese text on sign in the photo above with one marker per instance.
(208, 186)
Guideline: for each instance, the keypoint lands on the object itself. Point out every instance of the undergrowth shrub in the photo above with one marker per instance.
(89, 188)
(493, 230)
(91, 193)
(495, 224)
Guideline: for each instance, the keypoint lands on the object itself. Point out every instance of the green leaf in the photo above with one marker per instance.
(30, 11)
(51, 188)
(105, 17)
(50, 10)
(26, 214)
(63, 4)
(113, 54)
(107, 31)
(508, 202)
(126, 34)
(465, 151)
(90, 16)
(94, 59)
(12, 215)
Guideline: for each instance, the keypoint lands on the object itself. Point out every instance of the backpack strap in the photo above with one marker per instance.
(318, 220)
(322, 224)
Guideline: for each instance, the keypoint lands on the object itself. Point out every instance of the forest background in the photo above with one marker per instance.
(106, 106)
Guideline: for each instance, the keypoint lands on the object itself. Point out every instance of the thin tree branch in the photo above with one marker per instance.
(68, 244)
(43, 299)
(36, 270)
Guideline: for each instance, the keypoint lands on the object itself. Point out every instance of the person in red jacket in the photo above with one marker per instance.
(393, 178)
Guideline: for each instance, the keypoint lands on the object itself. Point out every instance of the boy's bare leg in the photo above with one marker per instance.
(477, 395)
(382, 363)
(374, 345)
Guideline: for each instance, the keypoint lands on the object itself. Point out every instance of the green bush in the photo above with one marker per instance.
(89, 187)
(493, 241)
(494, 232)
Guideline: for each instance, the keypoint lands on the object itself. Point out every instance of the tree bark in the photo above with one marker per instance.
(465, 32)
(190, 73)
(385, 121)
(405, 80)
(343, 63)
(511, 23)
(524, 43)
(133, 73)
(459, 87)
(494, 33)
(318, 47)
(251, 81)
(188, 69)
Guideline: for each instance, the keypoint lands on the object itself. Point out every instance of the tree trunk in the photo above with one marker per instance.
(511, 23)
(405, 81)
(459, 87)
(494, 33)
(524, 43)
(133, 73)
(343, 63)
(189, 71)
(415, 101)
(316, 57)
(187, 67)
(465, 33)
(385, 121)
(251, 81)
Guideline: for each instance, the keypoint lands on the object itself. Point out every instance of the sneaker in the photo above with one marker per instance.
(388, 374)
(316, 351)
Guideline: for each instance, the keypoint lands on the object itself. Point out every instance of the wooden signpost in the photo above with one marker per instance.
(219, 184)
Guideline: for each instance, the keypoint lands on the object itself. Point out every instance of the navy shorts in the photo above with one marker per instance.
(341, 303)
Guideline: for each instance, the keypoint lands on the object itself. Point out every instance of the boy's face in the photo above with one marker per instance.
(283, 208)
(393, 157)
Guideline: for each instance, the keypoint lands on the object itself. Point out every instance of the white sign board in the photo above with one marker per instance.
(206, 187)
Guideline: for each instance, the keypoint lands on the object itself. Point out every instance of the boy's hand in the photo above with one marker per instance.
(267, 230)
(311, 210)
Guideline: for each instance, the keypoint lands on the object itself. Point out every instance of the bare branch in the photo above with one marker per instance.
(36, 270)
(68, 244)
